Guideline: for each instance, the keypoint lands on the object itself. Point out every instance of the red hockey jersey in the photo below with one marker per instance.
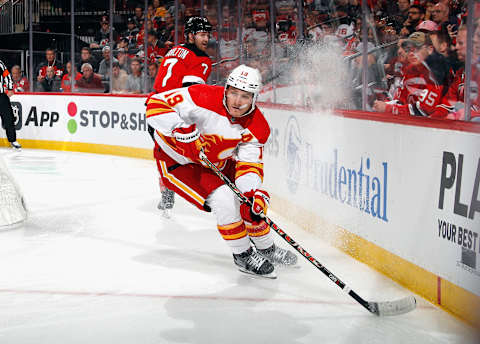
(183, 64)
(241, 139)
(418, 94)
(456, 93)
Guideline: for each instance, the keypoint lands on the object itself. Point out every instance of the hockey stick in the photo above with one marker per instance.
(225, 60)
(386, 308)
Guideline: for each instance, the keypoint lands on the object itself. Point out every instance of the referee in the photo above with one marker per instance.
(6, 113)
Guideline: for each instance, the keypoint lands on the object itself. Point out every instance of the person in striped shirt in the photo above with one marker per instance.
(6, 112)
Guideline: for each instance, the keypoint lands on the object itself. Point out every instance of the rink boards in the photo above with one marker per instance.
(401, 198)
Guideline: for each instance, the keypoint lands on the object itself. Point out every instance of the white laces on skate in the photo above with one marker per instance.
(255, 261)
(279, 256)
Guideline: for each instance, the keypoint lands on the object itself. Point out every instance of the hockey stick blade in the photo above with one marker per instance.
(397, 307)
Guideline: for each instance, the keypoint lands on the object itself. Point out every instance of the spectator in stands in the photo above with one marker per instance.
(159, 9)
(455, 94)
(166, 34)
(89, 82)
(441, 42)
(104, 67)
(424, 80)
(102, 37)
(51, 83)
(152, 74)
(86, 57)
(416, 14)
(138, 17)
(66, 84)
(441, 16)
(150, 12)
(155, 49)
(135, 79)
(123, 44)
(51, 61)
(123, 60)
(401, 15)
(131, 33)
(394, 69)
(20, 83)
(119, 79)
(427, 26)
(429, 4)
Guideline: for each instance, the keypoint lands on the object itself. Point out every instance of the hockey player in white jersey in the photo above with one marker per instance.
(229, 127)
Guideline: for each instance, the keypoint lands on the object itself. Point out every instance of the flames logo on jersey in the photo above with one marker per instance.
(218, 148)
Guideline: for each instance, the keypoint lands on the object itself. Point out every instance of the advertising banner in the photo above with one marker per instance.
(88, 119)
(411, 190)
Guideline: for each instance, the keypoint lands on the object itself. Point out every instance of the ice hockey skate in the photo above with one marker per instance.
(167, 202)
(250, 262)
(15, 145)
(279, 256)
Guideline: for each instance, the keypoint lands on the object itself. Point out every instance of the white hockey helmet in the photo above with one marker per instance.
(344, 31)
(247, 79)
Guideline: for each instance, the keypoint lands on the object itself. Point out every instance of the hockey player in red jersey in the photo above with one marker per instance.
(229, 127)
(184, 65)
(424, 80)
(187, 64)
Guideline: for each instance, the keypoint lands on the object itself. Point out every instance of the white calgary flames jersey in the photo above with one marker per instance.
(241, 139)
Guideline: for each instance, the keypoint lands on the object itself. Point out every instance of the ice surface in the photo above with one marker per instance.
(97, 263)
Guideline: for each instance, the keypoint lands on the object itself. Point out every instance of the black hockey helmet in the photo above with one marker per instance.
(197, 24)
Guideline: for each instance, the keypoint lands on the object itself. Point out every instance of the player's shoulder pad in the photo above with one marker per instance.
(207, 96)
(258, 126)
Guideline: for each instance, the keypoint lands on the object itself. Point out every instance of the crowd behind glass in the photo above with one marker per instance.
(278, 38)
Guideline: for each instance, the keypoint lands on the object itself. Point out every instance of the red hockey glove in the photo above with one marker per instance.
(189, 142)
(260, 200)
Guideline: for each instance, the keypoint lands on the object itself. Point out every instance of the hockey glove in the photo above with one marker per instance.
(189, 142)
(260, 200)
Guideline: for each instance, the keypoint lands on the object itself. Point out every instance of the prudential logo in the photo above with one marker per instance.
(357, 181)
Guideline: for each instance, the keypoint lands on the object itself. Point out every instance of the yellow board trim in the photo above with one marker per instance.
(141, 153)
(442, 293)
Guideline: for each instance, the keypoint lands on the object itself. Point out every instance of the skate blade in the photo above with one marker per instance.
(271, 275)
(286, 267)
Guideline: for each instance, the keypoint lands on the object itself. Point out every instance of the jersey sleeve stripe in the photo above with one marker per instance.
(158, 111)
(157, 107)
(156, 101)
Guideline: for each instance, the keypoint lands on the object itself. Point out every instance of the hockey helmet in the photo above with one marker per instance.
(197, 24)
(344, 31)
(247, 79)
